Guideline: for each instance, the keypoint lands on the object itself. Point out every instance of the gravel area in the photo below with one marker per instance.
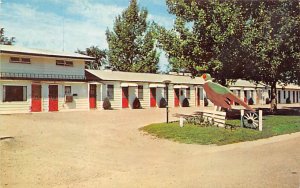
(106, 149)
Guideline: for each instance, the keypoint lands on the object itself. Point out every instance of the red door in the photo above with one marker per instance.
(53, 98)
(124, 97)
(198, 96)
(176, 97)
(93, 95)
(36, 101)
(152, 97)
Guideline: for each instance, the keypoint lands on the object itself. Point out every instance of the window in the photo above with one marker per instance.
(64, 63)
(284, 94)
(110, 91)
(19, 60)
(68, 91)
(140, 92)
(188, 92)
(14, 93)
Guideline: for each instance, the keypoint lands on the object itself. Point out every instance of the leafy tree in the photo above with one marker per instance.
(132, 43)
(100, 57)
(201, 30)
(272, 37)
(5, 40)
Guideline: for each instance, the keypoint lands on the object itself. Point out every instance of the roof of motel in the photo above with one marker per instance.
(10, 49)
(248, 84)
(245, 83)
(109, 75)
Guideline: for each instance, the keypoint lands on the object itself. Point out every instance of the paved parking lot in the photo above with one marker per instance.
(105, 149)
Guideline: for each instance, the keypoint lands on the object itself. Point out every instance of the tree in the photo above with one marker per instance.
(254, 40)
(201, 30)
(5, 40)
(272, 36)
(99, 55)
(132, 43)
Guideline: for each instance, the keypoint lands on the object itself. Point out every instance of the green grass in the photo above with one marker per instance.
(272, 126)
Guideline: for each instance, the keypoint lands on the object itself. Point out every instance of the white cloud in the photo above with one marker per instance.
(84, 24)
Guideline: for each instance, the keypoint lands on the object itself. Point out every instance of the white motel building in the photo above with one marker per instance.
(34, 80)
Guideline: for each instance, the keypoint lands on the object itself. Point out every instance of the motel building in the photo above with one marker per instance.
(34, 80)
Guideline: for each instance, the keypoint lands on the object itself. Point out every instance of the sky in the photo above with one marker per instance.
(71, 24)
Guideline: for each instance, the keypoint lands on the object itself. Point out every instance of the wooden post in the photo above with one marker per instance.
(260, 125)
(242, 114)
(181, 121)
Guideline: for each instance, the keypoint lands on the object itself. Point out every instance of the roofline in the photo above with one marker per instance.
(174, 83)
(45, 55)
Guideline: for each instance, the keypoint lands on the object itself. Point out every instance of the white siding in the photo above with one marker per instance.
(41, 65)
(116, 103)
(18, 106)
(80, 102)
(171, 95)
(159, 94)
(145, 102)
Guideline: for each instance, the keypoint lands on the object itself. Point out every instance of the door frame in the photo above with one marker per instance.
(153, 98)
(125, 97)
(33, 109)
(95, 97)
(176, 102)
(52, 108)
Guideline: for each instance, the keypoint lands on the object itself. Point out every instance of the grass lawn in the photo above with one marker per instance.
(272, 126)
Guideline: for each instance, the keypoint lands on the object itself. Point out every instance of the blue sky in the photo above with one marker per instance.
(82, 23)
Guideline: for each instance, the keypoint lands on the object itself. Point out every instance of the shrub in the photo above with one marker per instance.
(106, 104)
(288, 100)
(136, 103)
(250, 101)
(162, 103)
(185, 103)
(205, 102)
(268, 101)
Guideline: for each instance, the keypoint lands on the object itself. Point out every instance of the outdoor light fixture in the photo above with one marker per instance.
(167, 82)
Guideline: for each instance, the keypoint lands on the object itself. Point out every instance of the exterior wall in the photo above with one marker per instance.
(160, 93)
(80, 102)
(16, 106)
(116, 103)
(41, 65)
(171, 95)
(132, 94)
(145, 102)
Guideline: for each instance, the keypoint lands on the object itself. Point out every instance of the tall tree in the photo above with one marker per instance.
(201, 30)
(99, 55)
(273, 38)
(6, 40)
(132, 42)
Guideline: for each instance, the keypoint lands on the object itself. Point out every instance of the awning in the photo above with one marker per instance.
(97, 83)
(235, 88)
(157, 85)
(125, 84)
(181, 86)
(248, 89)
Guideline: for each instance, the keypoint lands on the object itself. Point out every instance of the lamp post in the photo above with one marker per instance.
(167, 82)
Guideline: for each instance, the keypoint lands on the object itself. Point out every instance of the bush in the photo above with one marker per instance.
(268, 101)
(205, 102)
(106, 104)
(288, 100)
(136, 103)
(185, 103)
(162, 103)
(250, 101)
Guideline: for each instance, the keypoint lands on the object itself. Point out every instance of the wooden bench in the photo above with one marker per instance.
(206, 117)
